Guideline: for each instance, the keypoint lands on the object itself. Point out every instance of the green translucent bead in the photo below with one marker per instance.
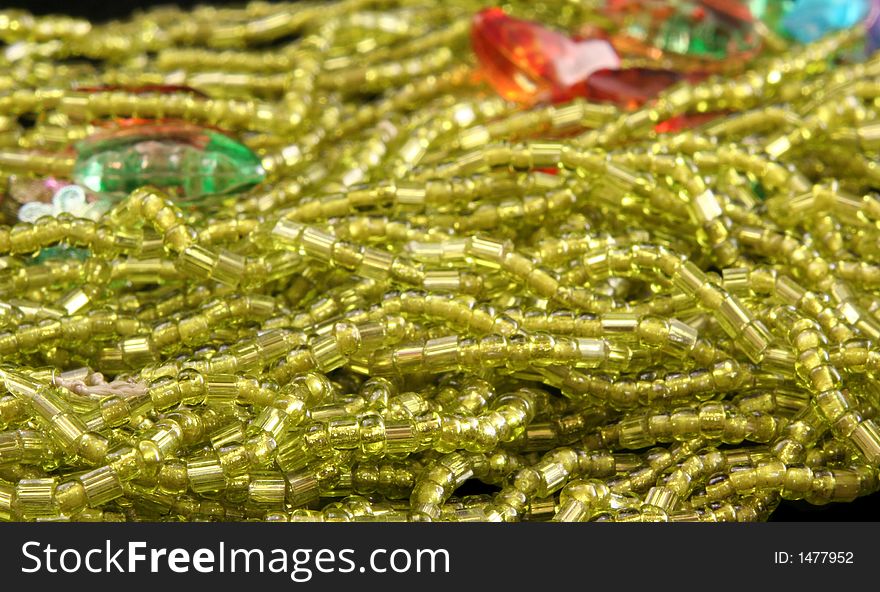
(186, 160)
(61, 253)
(704, 29)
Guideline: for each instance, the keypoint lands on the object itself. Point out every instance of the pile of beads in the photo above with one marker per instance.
(302, 262)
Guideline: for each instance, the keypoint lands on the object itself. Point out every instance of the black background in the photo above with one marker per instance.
(867, 508)
(98, 10)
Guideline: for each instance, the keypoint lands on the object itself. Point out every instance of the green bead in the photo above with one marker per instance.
(187, 160)
(705, 30)
(60, 252)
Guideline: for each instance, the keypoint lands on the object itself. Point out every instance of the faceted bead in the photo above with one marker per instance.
(187, 160)
(700, 29)
(809, 20)
(526, 62)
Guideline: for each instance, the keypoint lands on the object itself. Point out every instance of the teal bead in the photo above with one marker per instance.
(60, 253)
(809, 20)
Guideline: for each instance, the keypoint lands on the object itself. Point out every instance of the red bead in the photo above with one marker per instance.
(631, 87)
(527, 63)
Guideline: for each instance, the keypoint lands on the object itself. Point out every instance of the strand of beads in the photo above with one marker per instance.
(338, 278)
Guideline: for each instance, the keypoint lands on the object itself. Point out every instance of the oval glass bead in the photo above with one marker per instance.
(187, 160)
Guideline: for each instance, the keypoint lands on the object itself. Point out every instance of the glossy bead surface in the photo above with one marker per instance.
(187, 160)
(441, 305)
(527, 62)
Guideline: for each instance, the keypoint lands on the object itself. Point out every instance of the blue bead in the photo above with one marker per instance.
(809, 20)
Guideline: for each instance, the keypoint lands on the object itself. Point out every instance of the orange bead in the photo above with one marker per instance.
(528, 63)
